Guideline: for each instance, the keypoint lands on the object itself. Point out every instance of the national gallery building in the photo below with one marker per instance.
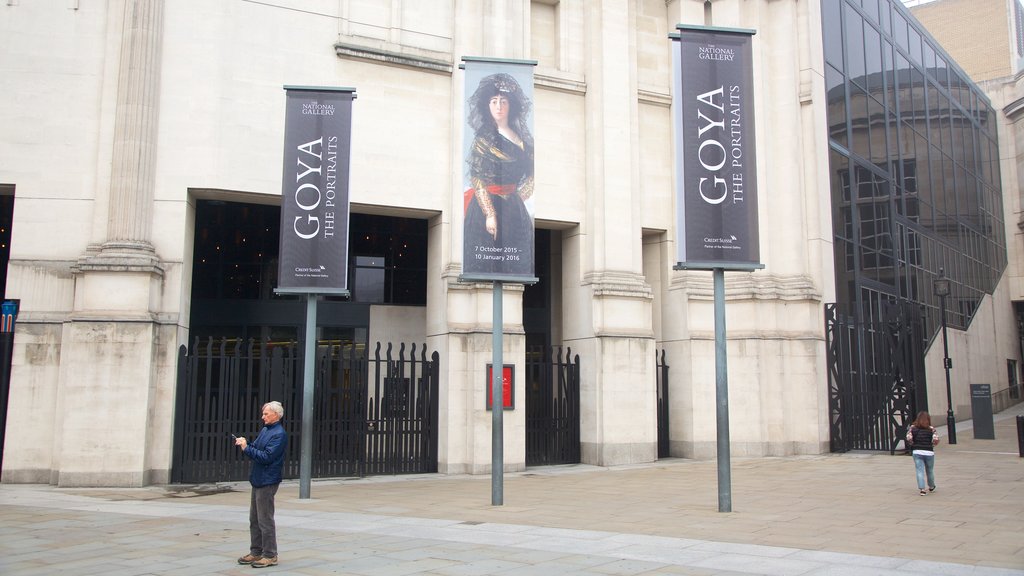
(143, 172)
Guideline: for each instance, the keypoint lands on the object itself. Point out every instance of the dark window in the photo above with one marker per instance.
(398, 246)
(6, 219)
(833, 34)
(236, 249)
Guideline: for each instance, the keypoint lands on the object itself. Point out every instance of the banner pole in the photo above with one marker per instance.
(308, 364)
(722, 395)
(497, 402)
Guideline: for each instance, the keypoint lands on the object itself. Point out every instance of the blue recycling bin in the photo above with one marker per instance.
(8, 313)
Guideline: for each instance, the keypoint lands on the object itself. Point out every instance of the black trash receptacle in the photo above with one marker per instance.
(1020, 435)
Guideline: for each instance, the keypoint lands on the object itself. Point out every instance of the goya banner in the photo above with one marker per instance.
(498, 184)
(314, 191)
(716, 166)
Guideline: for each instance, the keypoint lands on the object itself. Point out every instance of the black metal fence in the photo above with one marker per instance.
(661, 372)
(876, 378)
(373, 414)
(552, 406)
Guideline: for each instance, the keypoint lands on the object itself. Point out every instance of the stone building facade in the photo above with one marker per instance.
(121, 118)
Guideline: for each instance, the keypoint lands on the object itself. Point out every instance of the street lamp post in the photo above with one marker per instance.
(941, 287)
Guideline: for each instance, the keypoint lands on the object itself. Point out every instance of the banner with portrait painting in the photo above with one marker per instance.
(314, 191)
(716, 165)
(498, 178)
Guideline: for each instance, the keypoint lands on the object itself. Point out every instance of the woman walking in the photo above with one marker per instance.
(922, 439)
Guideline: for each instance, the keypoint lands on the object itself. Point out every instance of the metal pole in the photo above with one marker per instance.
(497, 403)
(947, 364)
(308, 364)
(722, 395)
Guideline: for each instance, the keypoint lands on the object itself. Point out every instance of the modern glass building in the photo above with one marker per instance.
(914, 164)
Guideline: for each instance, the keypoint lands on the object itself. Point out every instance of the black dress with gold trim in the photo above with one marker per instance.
(501, 178)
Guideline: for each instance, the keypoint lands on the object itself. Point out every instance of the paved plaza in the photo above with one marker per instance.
(836, 514)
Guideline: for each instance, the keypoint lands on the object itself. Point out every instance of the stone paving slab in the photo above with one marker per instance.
(815, 515)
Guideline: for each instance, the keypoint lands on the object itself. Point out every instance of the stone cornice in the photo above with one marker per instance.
(618, 284)
(360, 52)
(654, 97)
(561, 82)
(747, 286)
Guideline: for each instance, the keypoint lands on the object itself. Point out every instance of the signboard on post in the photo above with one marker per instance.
(716, 183)
(716, 166)
(314, 191)
(313, 256)
(497, 191)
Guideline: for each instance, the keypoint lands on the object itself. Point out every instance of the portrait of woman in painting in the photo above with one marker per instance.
(498, 225)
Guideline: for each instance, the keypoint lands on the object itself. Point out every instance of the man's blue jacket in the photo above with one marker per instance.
(267, 454)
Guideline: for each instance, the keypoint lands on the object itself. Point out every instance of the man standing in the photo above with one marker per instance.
(267, 454)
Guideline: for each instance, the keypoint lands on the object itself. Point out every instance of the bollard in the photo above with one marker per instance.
(1020, 435)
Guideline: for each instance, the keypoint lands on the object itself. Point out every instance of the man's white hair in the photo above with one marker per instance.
(276, 407)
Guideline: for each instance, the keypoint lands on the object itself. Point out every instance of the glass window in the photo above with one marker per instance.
(915, 45)
(835, 86)
(935, 193)
(854, 46)
(859, 122)
(957, 129)
(871, 9)
(945, 131)
(878, 129)
(832, 26)
(872, 60)
(840, 181)
(890, 76)
(903, 91)
(918, 112)
(399, 245)
(941, 71)
(899, 31)
(929, 59)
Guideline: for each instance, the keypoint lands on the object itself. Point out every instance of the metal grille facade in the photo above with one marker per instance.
(876, 377)
(552, 406)
(661, 370)
(373, 413)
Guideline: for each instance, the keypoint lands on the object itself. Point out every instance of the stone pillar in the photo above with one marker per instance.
(614, 333)
(461, 327)
(111, 341)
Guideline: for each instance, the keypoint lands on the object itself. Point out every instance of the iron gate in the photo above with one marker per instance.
(552, 406)
(661, 375)
(876, 378)
(372, 414)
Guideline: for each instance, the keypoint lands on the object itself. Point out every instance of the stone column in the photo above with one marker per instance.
(462, 325)
(614, 330)
(113, 405)
(130, 208)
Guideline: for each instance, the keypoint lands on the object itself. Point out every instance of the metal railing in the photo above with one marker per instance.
(373, 413)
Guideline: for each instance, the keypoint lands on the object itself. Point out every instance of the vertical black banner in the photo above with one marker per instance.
(716, 166)
(314, 190)
(498, 232)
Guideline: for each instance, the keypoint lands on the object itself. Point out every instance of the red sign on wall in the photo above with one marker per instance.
(507, 388)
